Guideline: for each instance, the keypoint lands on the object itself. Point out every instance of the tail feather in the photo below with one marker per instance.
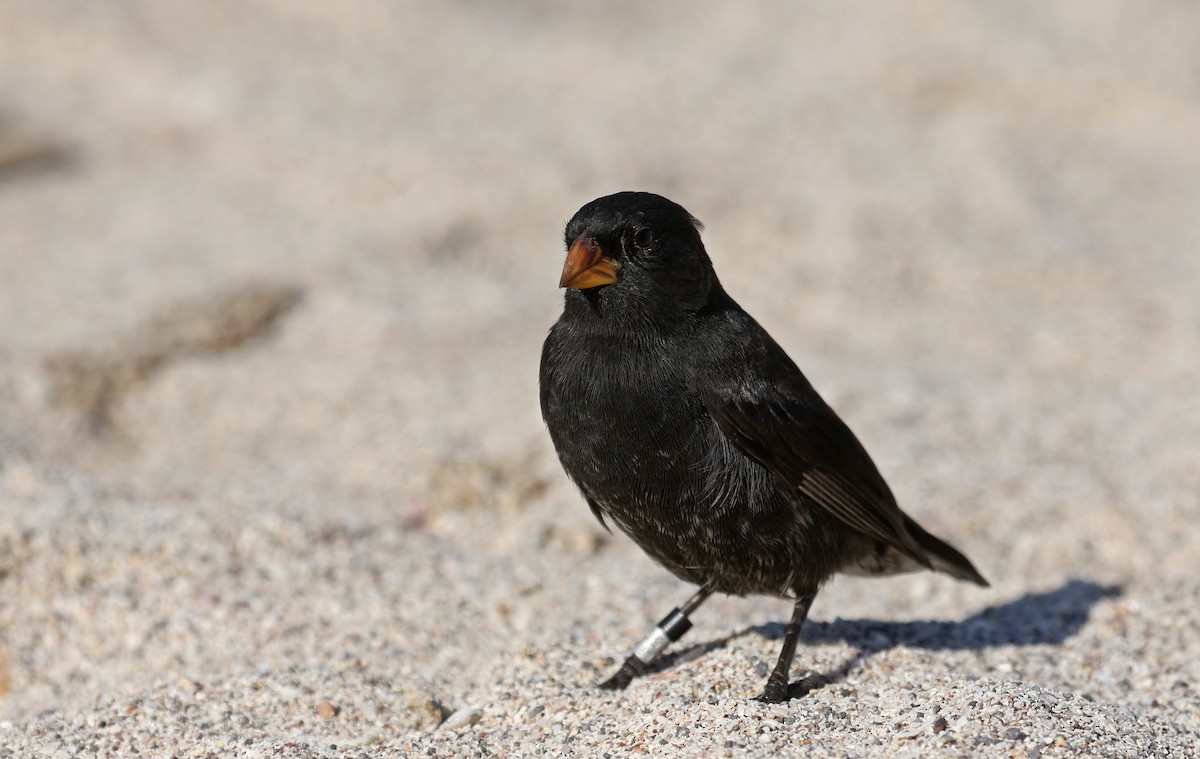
(944, 557)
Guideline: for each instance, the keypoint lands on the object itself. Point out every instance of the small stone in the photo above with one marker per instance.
(940, 724)
(427, 712)
(327, 710)
(436, 711)
(1014, 734)
(464, 717)
(911, 731)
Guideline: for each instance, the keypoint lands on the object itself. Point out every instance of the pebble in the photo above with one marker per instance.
(464, 717)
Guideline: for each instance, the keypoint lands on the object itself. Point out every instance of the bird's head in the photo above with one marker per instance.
(636, 251)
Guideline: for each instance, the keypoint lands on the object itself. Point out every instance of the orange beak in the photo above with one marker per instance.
(587, 266)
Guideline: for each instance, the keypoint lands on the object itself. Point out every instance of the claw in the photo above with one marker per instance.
(774, 693)
(632, 667)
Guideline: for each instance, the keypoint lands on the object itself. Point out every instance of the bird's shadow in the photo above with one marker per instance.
(1048, 618)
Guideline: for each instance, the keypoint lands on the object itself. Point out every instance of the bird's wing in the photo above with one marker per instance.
(800, 440)
(597, 512)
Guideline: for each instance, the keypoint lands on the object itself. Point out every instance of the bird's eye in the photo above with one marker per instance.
(643, 238)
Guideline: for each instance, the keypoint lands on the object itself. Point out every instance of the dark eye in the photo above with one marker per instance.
(643, 238)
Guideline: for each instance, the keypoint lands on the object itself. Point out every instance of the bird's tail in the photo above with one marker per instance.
(943, 556)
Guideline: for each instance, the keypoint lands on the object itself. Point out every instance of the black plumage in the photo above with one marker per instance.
(684, 423)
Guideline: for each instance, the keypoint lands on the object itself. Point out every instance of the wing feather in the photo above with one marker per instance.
(804, 443)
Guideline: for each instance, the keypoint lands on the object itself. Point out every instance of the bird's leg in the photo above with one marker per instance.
(776, 690)
(669, 630)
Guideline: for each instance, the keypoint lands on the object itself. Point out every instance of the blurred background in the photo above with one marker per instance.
(275, 275)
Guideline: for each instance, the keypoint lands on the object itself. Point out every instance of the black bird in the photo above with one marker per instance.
(684, 423)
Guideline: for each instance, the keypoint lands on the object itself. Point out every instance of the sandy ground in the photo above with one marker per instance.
(274, 278)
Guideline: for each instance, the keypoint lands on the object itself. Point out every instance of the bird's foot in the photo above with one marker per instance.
(778, 693)
(632, 667)
(775, 691)
(773, 695)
